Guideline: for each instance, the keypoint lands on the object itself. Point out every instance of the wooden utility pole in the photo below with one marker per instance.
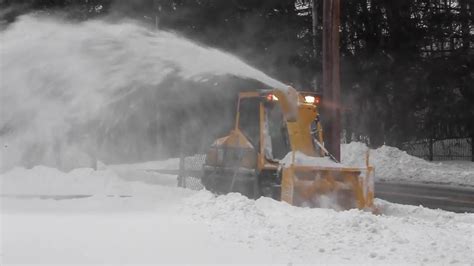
(331, 77)
(314, 15)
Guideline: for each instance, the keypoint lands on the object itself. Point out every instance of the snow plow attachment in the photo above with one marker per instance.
(328, 187)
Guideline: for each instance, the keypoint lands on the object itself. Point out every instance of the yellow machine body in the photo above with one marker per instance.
(243, 157)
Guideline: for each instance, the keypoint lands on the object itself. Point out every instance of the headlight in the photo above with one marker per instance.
(309, 99)
(312, 99)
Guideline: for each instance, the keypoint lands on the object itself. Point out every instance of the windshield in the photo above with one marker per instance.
(276, 133)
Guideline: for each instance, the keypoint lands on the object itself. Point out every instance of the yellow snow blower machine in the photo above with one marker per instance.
(276, 150)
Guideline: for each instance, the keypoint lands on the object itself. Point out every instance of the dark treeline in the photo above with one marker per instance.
(407, 65)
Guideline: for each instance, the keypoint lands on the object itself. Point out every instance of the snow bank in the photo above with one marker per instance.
(392, 164)
(400, 235)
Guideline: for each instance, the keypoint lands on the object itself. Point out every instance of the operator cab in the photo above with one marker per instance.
(260, 120)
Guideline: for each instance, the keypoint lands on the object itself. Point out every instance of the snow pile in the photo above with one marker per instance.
(392, 164)
(303, 159)
(412, 235)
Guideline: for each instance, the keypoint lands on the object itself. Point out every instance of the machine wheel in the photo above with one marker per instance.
(266, 189)
(213, 184)
(249, 188)
(269, 185)
(221, 183)
(256, 188)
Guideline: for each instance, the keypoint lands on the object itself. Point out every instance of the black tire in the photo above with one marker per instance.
(217, 184)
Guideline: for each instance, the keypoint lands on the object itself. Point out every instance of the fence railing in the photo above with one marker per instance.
(439, 150)
(190, 171)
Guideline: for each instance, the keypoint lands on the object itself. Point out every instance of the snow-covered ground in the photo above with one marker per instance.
(139, 217)
(392, 164)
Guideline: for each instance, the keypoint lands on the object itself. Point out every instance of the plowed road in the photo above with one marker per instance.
(456, 199)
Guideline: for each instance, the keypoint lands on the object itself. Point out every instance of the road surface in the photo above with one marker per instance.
(450, 198)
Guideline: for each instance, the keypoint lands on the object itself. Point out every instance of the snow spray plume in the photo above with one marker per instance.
(55, 75)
